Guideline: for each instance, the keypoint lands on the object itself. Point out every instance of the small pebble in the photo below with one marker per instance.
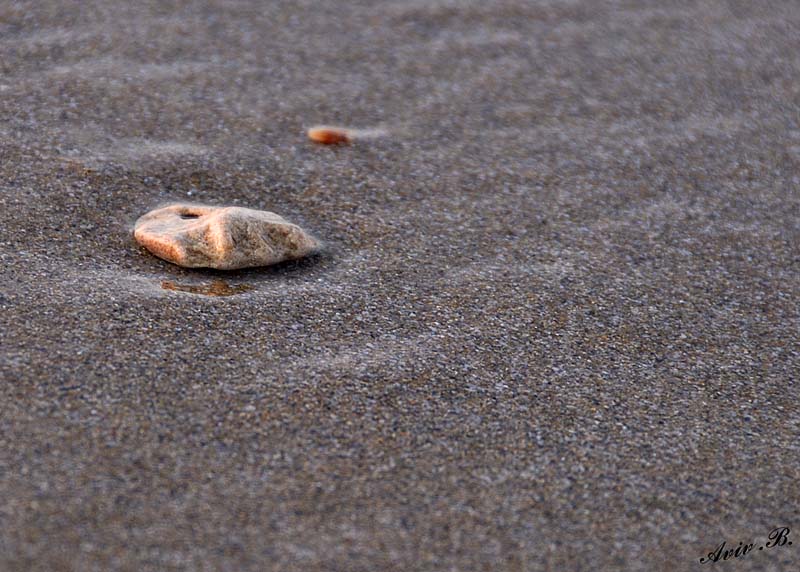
(330, 135)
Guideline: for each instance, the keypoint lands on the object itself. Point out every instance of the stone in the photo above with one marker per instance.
(330, 135)
(226, 238)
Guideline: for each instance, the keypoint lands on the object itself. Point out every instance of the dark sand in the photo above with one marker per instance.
(556, 327)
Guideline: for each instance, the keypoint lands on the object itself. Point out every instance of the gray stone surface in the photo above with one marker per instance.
(557, 327)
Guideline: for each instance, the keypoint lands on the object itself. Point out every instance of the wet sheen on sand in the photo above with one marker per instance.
(215, 288)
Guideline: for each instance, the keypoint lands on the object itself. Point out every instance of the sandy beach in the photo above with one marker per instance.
(555, 324)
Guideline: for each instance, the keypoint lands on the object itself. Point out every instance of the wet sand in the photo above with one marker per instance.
(555, 326)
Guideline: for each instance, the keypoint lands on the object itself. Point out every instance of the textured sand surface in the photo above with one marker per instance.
(556, 327)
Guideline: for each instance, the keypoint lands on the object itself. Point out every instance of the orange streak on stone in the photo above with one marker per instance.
(160, 248)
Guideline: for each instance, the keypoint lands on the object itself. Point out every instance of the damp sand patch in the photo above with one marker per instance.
(214, 288)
